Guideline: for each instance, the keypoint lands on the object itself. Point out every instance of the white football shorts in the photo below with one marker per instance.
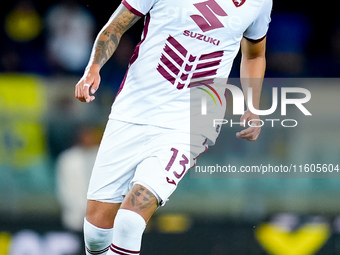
(154, 157)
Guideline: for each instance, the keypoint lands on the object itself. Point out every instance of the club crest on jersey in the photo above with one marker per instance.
(238, 3)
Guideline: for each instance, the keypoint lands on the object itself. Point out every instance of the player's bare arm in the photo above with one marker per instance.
(253, 65)
(105, 45)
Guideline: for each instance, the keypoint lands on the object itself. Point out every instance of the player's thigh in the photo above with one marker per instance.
(169, 158)
(140, 200)
(101, 214)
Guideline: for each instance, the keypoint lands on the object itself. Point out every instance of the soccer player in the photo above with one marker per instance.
(148, 145)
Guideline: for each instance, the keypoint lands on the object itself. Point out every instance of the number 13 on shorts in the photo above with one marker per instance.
(178, 166)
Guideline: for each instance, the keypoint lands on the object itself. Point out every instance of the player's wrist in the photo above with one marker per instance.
(93, 68)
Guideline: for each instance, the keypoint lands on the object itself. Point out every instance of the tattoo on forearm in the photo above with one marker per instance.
(104, 49)
(108, 40)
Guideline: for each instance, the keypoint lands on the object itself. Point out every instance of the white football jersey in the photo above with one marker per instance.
(184, 41)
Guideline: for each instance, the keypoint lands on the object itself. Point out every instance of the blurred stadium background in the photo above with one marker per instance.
(44, 48)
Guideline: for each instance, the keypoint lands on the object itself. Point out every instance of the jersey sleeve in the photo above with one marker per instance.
(259, 27)
(139, 7)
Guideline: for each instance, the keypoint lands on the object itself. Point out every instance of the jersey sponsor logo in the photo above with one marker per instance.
(179, 67)
(209, 10)
(238, 3)
(202, 37)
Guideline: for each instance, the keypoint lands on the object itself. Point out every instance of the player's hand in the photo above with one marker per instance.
(252, 132)
(88, 84)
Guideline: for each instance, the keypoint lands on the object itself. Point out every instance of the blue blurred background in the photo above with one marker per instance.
(48, 140)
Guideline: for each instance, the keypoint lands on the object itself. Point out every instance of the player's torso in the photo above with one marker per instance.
(184, 40)
(196, 39)
(216, 20)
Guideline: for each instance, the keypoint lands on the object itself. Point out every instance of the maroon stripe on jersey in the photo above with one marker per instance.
(121, 85)
(212, 55)
(131, 9)
(188, 68)
(177, 45)
(170, 65)
(208, 64)
(200, 83)
(180, 86)
(205, 149)
(192, 58)
(135, 53)
(166, 74)
(184, 76)
(145, 32)
(173, 55)
(187, 64)
(204, 74)
(119, 249)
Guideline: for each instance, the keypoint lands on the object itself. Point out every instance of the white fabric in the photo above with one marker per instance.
(259, 27)
(131, 153)
(127, 233)
(142, 6)
(97, 240)
(177, 42)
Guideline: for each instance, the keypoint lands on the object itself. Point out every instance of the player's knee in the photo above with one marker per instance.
(129, 224)
(101, 214)
(127, 232)
(96, 239)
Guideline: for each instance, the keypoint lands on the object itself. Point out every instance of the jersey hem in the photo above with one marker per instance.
(140, 122)
(210, 138)
(256, 40)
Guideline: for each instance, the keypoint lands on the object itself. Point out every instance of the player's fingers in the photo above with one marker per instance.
(254, 137)
(86, 90)
(246, 132)
(248, 138)
(243, 135)
(95, 85)
(79, 91)
(249, 134)
(243, 120)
